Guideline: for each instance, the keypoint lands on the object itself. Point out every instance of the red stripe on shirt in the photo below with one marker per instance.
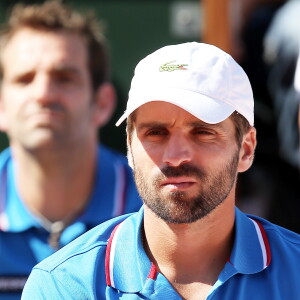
(107, 256)
(266, 242)
(153, 272)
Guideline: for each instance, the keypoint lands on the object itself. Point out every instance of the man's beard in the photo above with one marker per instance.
(177, 207)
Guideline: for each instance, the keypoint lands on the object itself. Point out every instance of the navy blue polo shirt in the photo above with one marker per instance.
(109, 262)
(23, 239)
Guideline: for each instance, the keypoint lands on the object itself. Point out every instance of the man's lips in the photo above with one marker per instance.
(49, 110)
(178, 183)
(47, 115)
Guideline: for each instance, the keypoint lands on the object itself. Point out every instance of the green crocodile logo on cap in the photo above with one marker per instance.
(170, 68)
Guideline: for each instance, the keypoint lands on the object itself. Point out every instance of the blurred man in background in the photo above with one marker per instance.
(281, 51)
(56, 182)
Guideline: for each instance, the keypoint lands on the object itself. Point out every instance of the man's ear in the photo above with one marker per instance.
(105, 98)
(3, 126)
(247, 150)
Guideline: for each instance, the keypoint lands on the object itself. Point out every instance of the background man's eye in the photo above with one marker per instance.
(26, 79)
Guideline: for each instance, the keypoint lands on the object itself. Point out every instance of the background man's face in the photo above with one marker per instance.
(46, 93)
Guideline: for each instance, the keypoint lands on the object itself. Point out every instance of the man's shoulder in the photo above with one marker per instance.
(84, 250)
(5, 156)
(111, 155)
(114, 162)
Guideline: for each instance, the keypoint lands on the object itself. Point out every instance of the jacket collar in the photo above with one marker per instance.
(14, 216)
(251, 250)
(128, 268)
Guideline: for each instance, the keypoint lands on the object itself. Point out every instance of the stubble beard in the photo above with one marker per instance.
(177, 207)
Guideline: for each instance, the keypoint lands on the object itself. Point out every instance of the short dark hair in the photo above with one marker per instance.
(54, 16)
(241, 124)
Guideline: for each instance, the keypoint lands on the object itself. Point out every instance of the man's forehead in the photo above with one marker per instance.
(156, 107)
(161, 113)
(29, 49)
(26, 40)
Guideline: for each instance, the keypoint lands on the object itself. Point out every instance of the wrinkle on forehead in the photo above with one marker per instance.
(163, 114)
(188, 124)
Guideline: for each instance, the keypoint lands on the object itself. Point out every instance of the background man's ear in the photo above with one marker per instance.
(105, 98)
(247, 150)
(3, 126)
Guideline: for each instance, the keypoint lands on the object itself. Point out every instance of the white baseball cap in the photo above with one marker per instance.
(199, 78)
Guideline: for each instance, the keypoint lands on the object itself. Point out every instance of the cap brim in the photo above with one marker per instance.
(205, 108)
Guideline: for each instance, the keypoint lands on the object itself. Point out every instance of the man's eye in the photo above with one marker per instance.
(64, 79)
(204, 132)
(23, 80)
(154, 132)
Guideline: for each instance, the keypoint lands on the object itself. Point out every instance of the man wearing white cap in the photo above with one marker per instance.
(190, 132)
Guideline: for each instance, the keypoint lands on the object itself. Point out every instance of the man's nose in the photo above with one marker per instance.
(44, 89)
(178, 150)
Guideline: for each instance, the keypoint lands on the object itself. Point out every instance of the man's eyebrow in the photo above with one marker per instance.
(193, 124)
(206, 125)
(65, 68)
(55, 69)
(152, 124)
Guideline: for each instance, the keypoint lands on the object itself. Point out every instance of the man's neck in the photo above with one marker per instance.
(191, 256)
(55, 184)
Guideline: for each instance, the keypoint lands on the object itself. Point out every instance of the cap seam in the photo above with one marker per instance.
(226, 57)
